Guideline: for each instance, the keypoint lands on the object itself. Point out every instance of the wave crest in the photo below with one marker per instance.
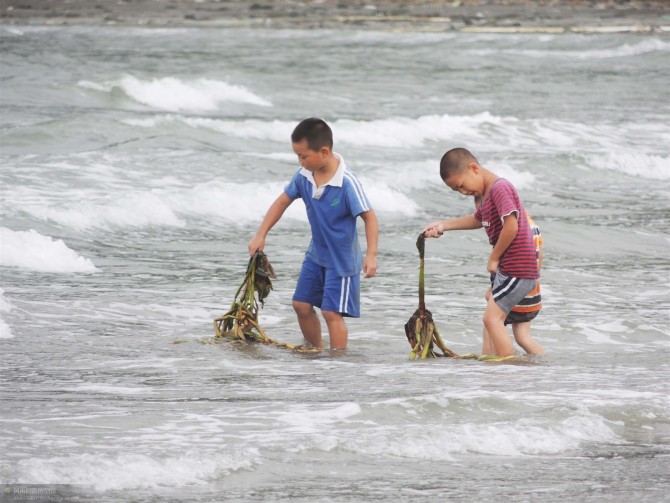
(33, 251)
(174, 95)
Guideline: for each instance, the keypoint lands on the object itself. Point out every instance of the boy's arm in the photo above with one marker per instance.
(372, 235)
(436, 229)
(507, 235)
(273, 215)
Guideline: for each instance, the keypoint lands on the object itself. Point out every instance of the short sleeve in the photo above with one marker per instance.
(356, 198)
(292, 189)
(503, 198)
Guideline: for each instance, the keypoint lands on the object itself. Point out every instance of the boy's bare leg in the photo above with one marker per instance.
(523, 338)
(487, 345)
(494, 322)
(337, 329)
(309, 323)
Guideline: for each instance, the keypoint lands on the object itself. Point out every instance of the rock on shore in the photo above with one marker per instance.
(468, 15)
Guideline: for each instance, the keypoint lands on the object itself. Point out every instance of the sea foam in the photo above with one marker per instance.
(173, 94)
(645, 46)
(398, 132)
(477, 131)
(437, 441)
(653, 167)
(139, 209)
(311, 420)
(520, 179)
(215, 201)
(104, 471)
(5, 307)
(33, 251)
(625, 50)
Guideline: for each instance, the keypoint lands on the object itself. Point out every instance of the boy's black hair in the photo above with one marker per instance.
(317, 133)
(454, 160)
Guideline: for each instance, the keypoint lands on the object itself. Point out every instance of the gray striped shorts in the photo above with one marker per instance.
(509, 291)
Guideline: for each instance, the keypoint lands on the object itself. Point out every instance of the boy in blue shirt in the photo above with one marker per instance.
(333, 197)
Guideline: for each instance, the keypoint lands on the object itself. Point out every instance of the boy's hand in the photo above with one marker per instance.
(492, 265)
(370, 266)
(434, 230)
(256, 243)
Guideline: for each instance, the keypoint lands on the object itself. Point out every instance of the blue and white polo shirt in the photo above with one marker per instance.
(332, 210)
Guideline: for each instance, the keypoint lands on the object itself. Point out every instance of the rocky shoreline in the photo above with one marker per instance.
(643, 16)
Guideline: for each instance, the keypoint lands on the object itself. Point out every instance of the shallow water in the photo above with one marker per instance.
(137, 164)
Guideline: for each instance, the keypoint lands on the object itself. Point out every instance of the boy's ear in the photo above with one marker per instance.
(325, 151)
(474, 167)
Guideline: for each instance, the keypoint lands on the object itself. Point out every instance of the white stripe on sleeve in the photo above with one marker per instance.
(358, 189)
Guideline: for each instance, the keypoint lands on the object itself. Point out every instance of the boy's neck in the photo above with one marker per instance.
(327, 171)
(489, 179)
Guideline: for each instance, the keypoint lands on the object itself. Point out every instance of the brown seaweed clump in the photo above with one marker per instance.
(241, 320)
(240, 323)
(420, 329)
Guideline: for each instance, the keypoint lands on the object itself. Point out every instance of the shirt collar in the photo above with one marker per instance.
(335, 181)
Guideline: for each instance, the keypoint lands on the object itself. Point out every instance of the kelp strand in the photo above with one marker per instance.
(421, 332)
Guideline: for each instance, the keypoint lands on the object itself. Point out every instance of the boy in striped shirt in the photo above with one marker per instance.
(525, 311)
(334, 198)
(512, 261)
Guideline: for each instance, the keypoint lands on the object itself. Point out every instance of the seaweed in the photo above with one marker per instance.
(240, 323)
(241, 320)
(420, 329)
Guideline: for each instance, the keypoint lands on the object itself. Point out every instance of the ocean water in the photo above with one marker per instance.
(137, 164)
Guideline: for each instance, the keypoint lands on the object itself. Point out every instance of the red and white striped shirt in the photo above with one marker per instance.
(520, 259)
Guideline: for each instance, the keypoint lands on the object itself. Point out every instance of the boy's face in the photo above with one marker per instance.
(309, 159)
(467, 181)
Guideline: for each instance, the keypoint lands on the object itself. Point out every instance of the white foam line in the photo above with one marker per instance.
(562, 29)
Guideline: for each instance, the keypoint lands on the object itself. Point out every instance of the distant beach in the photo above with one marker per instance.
(651, 16)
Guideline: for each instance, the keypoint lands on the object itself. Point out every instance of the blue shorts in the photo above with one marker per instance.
(323, 288)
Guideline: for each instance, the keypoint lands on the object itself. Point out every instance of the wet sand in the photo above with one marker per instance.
(651, 16)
